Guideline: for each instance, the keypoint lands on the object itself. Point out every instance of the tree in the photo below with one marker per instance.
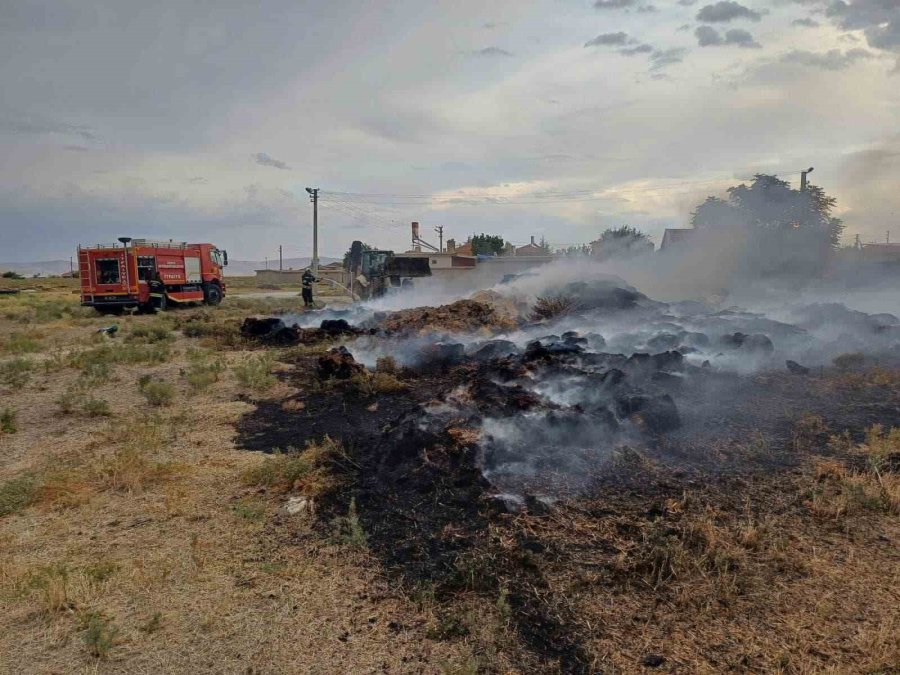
(487, 244)
(782, 230)
(9, 274)
(354, 249)
(583, 249)
(621, 242)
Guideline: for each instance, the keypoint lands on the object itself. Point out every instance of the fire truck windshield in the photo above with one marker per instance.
(220, 258)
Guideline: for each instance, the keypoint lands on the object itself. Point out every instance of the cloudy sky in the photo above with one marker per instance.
(553, 118)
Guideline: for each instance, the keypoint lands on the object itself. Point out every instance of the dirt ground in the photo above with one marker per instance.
(144, 523)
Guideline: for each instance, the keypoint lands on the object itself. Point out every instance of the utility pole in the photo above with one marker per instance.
(71, 267)
(267, 262)
(280, 263)
(440, 231)
(314, 198)
(803, 175)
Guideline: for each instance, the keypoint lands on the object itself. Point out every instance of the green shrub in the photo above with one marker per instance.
(99, 634)
(250, 509)
(96, 364)
(8, 421)
(349, 530)
(16, 372)
(22, 343)
(17, 494)
(157, 392)
(255, 373)
(202, 373)
(150, 334)
(96, 407)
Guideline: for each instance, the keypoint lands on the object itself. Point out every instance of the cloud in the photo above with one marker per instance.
(725, 11)
(614, 4)
(805, 23)
(741, 38)
(39, 126)
(647, 9)
(662, 58)
(639, 49)
(491, 52)
(707, 36)
(604, 39)
(833, 59)
(265, 160)
(686, 3)
(878, 19)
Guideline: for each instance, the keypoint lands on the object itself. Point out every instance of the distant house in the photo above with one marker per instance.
(531, 249)
(879, 253)
(463, 249)
(674, 237)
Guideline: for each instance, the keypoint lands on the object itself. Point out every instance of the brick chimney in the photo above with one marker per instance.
(532, 240)
(451, 246)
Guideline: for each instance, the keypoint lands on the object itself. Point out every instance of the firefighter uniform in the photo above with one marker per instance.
(307, 281)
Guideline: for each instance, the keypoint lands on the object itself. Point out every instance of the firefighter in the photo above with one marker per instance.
(157, 290)
(307, 281)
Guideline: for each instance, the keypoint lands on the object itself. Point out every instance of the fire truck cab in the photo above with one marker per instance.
(145, 274)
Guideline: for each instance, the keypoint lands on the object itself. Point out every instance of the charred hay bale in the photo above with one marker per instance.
(497, 400)
(269, 330)
(756, 343)
(670, 361)
(664, 341)
(495, 349)
(337, 327)
(443, 354)
(656, 413)
(538, 349)
(338, 363)
(795, 368)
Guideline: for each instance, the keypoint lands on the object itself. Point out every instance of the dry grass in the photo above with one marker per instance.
(313, 472)
(254, 373)
(872, 483)
(152, 543)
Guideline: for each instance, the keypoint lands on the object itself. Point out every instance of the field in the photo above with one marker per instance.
(175, 498)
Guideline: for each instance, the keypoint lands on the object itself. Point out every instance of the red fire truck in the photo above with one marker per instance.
(145, 274)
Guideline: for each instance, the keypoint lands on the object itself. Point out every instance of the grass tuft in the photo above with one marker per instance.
(157, 392)
(100, 634)
(8, 421)
(17, 494)
(255, 373)
(313, 471)
(16, 373)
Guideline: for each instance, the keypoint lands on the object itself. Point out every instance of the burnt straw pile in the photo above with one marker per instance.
(516, 459)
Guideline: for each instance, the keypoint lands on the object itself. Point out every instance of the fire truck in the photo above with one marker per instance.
(149, 275)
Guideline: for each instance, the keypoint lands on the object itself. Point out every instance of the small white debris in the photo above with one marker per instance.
(299, 505)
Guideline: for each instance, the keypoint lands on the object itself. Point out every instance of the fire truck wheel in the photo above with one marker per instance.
(213, 294)
(109, 311)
